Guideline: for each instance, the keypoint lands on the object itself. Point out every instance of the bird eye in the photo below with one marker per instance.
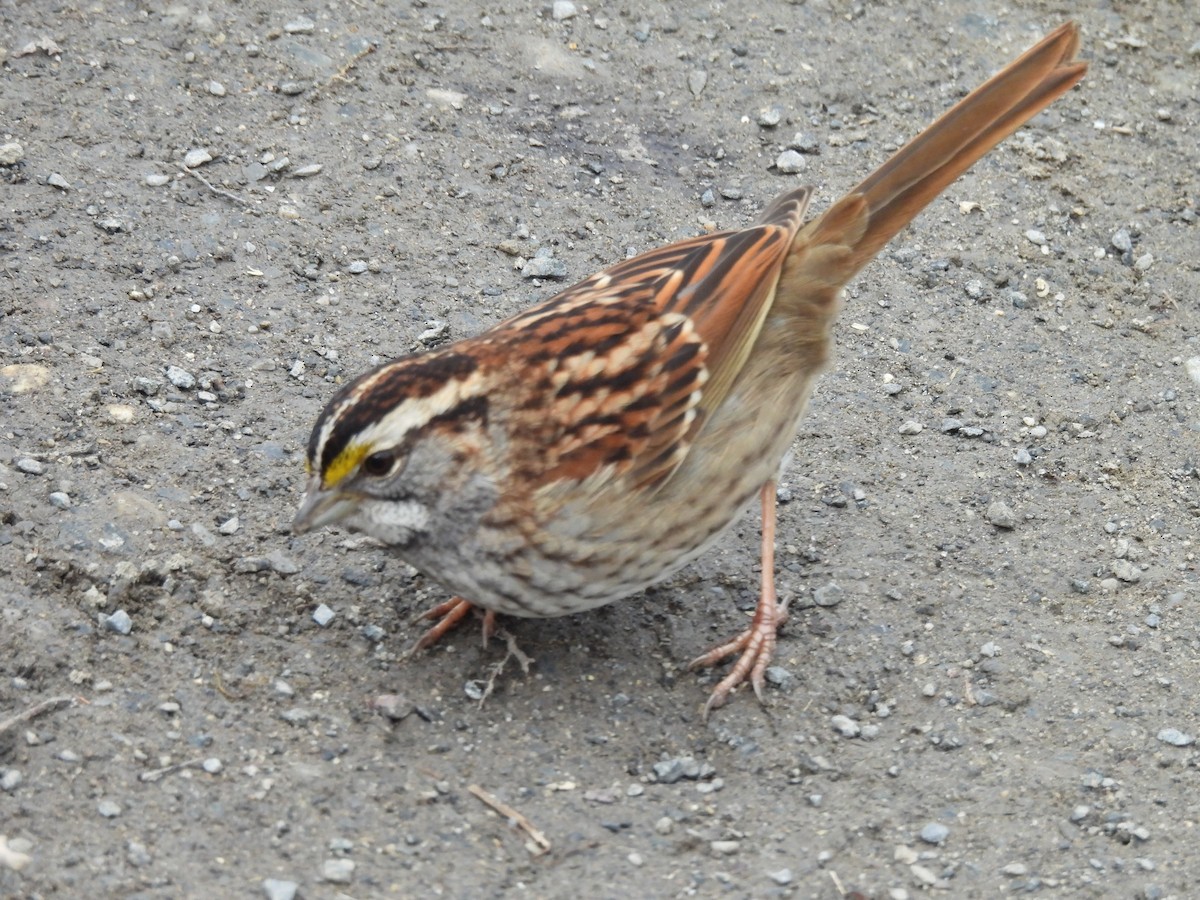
(379, 464)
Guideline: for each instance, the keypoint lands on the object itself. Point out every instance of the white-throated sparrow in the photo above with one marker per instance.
(597, 442)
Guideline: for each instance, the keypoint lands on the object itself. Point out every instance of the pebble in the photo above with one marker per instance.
(29, 466)
(725, 848)
(563, 10)
(828, 594)
(323, 615)
(197, 157)
(805, 143)
(357, 267)
(281, 563)
(1035, 237)
(1126, 571)
(11, 780)
(664, 825)
(1001, 515)
(1022, 457)
(119, 622)
(911, 427)
(216, 88)
(278, 889)
(230, 526)
(338, 871)
(696, 80)
(934, 833)
(11, 153)
(1121, 240)
(974, 289)
(109, 809)
(300, 25)
(1015, 869)
(779, 676)
(782, 876)
(57, 181)
(213, 766)
(1144, 262)
(156, 180)
(1080, 812)
(769, 118)
(1176, 738)
(544, 267)
(181, 378)
(308, 171)
(845, 726)
(789, 162)
(708, 198)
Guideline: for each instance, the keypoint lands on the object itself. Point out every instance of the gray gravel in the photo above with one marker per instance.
(359, 186)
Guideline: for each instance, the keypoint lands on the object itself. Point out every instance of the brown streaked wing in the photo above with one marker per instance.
(637, 353)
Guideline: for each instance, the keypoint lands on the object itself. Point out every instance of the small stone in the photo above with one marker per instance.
(1176, 738)
(1126, 571)
(911, 427)
(338, 871)
(109, 809)
(1143, 262)
(197, 157)
(57, 181)
(544, 267)
(357, 267)
(181, 378)
(934, 833)
(696, 80)
(828, 594)
(300, 25)
(323, 615)
(708, 198)
(563, 10)
(790, 162)
(664, 825)
(308, 171)
(155, 179)
(1121, 241)
(230, 526)
(216, 88)
(1015, 870)
(278, 889)
(281, 563)
(1080, 812)
(845, 726)
(635, 859)
(782, 876)
(1022, 457)
(212, 765)
(805, 143)
(297, 715)
(11, 780)
(769, 118)
(974, 289)
(137, 855)
(11, 153)
(1001, 515)
(118, 622)
(1035, 237)
(29, 466)
(725, 848)
(779, 676)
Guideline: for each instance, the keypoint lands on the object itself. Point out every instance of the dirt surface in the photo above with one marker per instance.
(988, 682)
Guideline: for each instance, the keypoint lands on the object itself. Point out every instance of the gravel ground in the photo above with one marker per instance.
(214, 214)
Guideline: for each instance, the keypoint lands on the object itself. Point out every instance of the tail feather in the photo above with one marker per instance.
(904, 185)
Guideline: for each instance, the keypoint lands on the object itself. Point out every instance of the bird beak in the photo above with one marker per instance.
(321, 507)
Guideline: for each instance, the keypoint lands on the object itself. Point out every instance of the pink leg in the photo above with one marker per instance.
(450, 614)
(757, 643)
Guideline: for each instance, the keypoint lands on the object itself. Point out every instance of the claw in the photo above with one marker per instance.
(757, 643)
(449, 615)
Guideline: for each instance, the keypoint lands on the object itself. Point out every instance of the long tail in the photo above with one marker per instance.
(871, 214)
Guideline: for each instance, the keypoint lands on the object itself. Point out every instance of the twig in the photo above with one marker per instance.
(513, 816)
(343, 73)
(34, 711)
(220, 192)
(513, 652)
(155, 774)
